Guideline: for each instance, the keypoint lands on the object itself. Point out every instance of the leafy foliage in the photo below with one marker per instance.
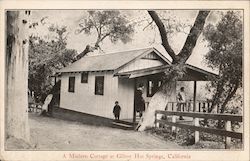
(45, 57)
(225, 43)
(106, 24)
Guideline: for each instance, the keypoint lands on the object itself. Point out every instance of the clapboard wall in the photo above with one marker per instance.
(84, 99)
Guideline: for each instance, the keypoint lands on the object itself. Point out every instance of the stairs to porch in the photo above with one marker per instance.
(123, 125)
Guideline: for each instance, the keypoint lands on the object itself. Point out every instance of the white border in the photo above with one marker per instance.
(195, 155)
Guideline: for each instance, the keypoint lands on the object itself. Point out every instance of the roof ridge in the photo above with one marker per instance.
(96, 62)
(120, 52)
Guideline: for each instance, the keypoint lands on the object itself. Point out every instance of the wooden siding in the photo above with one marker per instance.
(141, 64)
(84, 98)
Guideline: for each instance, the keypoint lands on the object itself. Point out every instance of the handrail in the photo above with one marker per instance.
(198, 105)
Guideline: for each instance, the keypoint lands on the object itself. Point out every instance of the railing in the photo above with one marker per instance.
(227, 132)
(200, 106)
(34, 107)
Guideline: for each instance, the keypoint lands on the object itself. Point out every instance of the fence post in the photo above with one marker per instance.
(228, 139)
(196, 133)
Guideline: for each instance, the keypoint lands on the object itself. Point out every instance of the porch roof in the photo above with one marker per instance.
(193, 73)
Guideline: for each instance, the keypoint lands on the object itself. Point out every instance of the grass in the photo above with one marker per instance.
(185, 138)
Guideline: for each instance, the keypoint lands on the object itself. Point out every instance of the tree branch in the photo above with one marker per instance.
(163, 34)
(83, 53)
(192, 37)
(150, 23)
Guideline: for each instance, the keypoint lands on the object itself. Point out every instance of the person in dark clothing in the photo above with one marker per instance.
(117, 110)
(139, 100)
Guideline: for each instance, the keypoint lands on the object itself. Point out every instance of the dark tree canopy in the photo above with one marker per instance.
(45, 57)
(225, 44)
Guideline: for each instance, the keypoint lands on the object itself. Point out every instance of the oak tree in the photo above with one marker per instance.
(45, 58)
(167, 91)
(225, 44)
(105, 24)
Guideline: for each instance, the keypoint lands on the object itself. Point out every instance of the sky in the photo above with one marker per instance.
(142, 38)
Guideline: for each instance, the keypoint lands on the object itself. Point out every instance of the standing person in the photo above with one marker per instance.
(139, 100)
(181, 101)
(117, 110)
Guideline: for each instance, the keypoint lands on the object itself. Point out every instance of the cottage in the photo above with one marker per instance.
(92, 84)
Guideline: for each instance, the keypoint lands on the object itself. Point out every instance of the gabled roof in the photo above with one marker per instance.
(109, 61)
(192, 73)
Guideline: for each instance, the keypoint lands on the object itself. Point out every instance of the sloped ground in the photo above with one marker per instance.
(55, 134)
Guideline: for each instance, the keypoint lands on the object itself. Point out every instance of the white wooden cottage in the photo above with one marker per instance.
(92, 84)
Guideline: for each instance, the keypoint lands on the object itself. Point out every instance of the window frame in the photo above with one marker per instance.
(71, 89)
(86, 74)
(155, 87)
(97, 92)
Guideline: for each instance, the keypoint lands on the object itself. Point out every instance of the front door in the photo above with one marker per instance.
(139, 98)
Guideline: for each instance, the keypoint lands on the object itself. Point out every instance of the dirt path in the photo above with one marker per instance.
(54, 134)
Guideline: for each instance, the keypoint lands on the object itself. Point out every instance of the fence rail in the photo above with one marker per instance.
(226, 117)
(227, 132)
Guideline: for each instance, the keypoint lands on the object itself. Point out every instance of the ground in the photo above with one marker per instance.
(54, 134)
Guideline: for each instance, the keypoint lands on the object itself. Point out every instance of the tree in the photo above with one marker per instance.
(167, 90)
(45, 57)
(106, 24)
(17, 72)
(225, 43)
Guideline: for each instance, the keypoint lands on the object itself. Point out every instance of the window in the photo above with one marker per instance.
(84, 77)
(153, 86)
(99, 85)
(71, 84)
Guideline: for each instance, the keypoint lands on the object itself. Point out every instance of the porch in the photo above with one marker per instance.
(151, 78)
(202, 106)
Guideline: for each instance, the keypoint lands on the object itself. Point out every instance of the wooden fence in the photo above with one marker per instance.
(227, 132)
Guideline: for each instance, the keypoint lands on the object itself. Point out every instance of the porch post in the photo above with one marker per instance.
(194, 106)
(195, 120)
(55, 79)
(134, 114)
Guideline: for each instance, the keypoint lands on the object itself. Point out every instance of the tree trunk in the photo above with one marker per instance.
(86, 51)
(168, 89)
(166, 93)
(17, 76)
(216, 97)
(83, 53)
(229, 96)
